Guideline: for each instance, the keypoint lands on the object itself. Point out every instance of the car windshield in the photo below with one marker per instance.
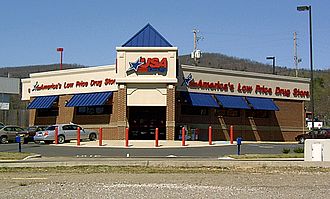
(51, 128)
(41, 128)
(32, 128)
(36, 128)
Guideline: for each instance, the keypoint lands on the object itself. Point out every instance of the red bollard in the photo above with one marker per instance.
(210, 135)
(231, 134)
(126, 137)
(100, 137)
(183, 137)
(78, 136)
(156, 137)
(56, 135)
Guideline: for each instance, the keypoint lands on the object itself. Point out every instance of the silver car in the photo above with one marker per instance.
(9, 133)
(66, 132)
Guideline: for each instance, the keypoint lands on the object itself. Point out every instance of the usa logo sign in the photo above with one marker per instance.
(150, 65)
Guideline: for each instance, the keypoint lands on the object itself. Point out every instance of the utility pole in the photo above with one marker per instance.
(196, 54)
(295, 52)
(195, 45)
(195, 39)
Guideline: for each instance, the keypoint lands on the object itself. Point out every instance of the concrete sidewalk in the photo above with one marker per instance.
(161, 162)
(144, 143)
(162, 143)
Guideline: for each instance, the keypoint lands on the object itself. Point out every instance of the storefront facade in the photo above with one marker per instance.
(147, 88)
(258, 106)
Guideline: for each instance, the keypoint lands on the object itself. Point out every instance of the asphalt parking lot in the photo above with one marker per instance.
(204, 151)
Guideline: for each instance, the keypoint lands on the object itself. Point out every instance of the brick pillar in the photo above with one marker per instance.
(32, 115)
(65, 114)
(121, 112)
(170, 112)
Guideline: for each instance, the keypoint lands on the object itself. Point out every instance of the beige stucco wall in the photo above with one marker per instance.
(146, 95)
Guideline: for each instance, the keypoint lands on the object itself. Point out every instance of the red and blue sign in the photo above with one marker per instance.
(150, 65)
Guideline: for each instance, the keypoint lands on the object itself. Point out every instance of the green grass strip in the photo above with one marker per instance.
(260, 156)
(13, 155)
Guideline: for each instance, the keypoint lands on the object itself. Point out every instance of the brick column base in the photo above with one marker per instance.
(121, 132)
(121, 112)
(170, 129)
(170, 112)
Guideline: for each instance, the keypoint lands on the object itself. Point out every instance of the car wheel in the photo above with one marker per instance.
(92, 137)
(301, 140)
(61, 139)
(3, 140)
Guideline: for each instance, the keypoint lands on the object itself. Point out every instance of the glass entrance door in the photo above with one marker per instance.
(143, 121)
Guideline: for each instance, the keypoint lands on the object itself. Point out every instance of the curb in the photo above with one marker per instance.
(32, 156)
(163, 162)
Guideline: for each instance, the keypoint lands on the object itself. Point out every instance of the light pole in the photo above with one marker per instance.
(273, 58)
(61, 51)
(309, 8)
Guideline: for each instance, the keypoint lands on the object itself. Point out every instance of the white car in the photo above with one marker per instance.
(66, 132)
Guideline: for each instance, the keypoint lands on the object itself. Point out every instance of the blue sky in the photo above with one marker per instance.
(89, 30)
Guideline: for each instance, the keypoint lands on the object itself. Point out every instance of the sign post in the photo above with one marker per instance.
(61, 59)
(18, 140)
(239, 143)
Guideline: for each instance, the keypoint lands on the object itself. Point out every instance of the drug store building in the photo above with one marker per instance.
(148, 88)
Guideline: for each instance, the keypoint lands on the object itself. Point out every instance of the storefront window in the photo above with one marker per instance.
(257, 113)
(193, 110)
(261, 114)
(232, 113)
(51, 112)
(94, 110)
(228, 112)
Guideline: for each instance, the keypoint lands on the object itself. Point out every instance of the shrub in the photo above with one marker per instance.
(298, 150)
(286, 150)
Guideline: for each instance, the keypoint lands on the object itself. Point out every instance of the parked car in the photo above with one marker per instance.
(66, 132)
(323, 133)
(31, 131)
(1, 125)
(9, 133)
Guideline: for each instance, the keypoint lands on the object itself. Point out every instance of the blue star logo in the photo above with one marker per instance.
(187, 80)
(35, 87)
(135, 65)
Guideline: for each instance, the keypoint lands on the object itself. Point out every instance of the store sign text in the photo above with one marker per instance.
(257, 89)
(150, 65)
(76, 84)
